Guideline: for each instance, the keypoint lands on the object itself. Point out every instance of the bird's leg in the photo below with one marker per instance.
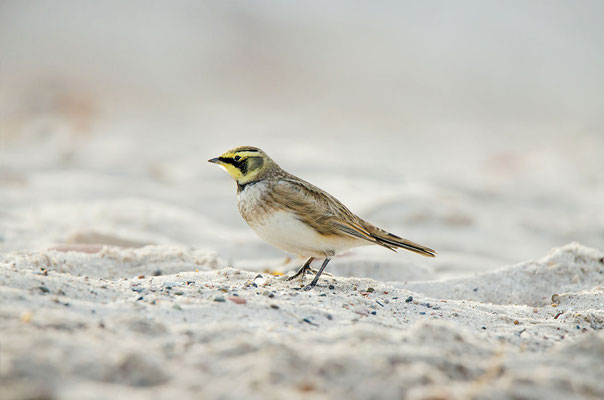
(302, 269)
(316, 279)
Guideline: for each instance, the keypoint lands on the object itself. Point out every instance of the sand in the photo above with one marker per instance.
(474, 128)
(166, 321)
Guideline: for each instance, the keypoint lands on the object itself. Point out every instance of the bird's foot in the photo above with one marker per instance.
(306, 268)
(302, 271)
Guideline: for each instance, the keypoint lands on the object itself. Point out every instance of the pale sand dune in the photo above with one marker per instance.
(88, 325)
(474, 128)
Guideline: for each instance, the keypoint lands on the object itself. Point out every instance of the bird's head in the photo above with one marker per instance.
(245, 164)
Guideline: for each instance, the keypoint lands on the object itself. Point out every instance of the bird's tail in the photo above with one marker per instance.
(394, 242)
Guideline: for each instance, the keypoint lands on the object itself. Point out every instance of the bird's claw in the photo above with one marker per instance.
(303, 272)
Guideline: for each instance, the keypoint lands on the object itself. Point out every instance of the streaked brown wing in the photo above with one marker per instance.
(320, 210)
(328, 216)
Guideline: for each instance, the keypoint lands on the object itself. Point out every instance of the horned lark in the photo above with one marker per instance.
(298, 217)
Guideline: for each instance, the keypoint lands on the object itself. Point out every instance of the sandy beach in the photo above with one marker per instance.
(473, 128)
(164, 321)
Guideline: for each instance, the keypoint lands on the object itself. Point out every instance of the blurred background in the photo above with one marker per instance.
(474, 127)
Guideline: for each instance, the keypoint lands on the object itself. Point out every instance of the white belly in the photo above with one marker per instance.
(283, 230)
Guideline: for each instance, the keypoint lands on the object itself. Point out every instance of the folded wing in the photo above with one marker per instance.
(328, 216)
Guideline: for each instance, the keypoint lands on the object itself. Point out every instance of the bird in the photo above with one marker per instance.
(298, 217)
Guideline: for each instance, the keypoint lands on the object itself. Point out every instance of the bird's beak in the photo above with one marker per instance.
(214, 160)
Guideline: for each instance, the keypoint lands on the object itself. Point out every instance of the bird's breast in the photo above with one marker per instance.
(282, 228)
(255, 203)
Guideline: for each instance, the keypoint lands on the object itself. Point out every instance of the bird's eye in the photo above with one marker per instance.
(236, 158)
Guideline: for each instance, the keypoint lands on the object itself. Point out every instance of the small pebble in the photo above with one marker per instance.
(141, 276)
(370, 290)
(331, 287)
(475, 289)
(219, 299)
(422, 313)
(260, 280)
(237, 300)
(329, 317)
(44, 289)
(516, 322)
(409, 299)
(373, 313)
(274, 306)
(157, 272)
(138, 289)
(177, 307)
(322, 295)
(266, 293)
(306, 387)
(26, 316)
(179, 293)
(484, 327)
